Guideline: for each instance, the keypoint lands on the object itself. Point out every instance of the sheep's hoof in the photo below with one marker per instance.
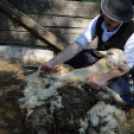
(102, 96)
(119, 100)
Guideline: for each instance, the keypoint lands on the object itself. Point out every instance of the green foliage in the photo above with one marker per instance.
(98, 1)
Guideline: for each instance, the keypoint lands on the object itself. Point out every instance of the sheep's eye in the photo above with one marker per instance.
(125, 62)
(110, 53)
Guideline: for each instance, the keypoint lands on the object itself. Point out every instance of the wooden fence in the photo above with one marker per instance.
(65, 19)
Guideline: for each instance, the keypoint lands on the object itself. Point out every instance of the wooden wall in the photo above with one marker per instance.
(65, 19)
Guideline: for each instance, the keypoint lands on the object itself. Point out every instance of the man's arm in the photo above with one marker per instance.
(80, 43)
(69, 52)
(98, 80)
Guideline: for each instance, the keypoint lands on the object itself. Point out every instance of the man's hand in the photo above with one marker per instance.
(96, 81)
(47, 64)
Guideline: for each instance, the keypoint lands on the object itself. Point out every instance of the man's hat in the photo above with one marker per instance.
(118, 10)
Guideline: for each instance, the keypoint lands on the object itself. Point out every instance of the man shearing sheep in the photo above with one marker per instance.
(114, 29)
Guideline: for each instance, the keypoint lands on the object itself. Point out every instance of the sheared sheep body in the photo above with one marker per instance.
(81, 75)
(115, 59)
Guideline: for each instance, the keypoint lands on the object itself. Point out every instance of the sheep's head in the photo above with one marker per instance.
(116, 59)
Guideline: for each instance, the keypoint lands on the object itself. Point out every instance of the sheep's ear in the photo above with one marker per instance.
(100, 53)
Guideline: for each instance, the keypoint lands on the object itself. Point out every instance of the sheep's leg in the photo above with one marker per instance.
(115, 96)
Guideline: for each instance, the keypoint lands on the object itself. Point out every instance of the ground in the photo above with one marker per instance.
(11, 120)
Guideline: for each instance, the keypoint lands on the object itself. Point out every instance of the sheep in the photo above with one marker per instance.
(113, 59)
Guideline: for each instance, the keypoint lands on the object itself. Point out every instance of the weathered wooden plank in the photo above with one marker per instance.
(30, 39)
(83, 12)
(27, 39)
(45, 20)
(58, 7)
(38, 29)
(20, 38)
(54, 30)
(25, 53)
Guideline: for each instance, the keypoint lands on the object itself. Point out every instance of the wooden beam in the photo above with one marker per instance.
(30, 23)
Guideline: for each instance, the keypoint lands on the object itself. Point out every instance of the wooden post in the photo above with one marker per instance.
(31, 24)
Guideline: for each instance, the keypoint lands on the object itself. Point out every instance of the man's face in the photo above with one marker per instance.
(110, 24)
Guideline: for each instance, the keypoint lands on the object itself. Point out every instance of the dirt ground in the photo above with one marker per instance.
(11, 87)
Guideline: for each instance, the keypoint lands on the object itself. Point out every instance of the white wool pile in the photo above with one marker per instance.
(39, 89)
(56, 104)
(36, 93)
(109, 117)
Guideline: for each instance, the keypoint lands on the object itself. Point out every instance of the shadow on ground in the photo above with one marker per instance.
(11, 89)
